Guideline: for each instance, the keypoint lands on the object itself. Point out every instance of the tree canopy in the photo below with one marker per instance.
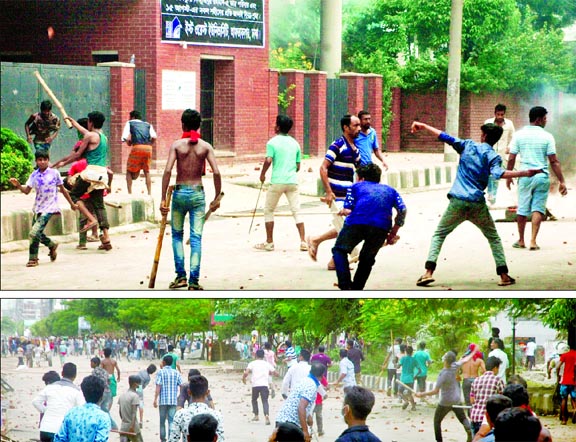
(443, 323)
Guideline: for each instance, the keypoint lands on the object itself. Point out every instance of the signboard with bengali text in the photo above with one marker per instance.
(213, 22)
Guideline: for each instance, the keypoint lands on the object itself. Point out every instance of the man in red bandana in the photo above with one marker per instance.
(470, 370)
(189, 155)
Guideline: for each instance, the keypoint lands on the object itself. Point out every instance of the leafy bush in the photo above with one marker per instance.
(16, 158)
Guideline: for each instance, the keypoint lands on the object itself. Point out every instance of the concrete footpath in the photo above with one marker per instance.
(138, 212)
(230, 262)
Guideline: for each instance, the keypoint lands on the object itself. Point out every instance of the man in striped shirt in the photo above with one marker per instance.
(536, 147)
(482, 388)
(337, 174)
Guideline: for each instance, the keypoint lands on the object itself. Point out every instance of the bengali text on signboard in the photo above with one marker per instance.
(213, 22)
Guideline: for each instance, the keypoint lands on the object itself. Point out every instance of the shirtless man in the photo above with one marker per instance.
(190, 155)
(110, 365)
(470, 370)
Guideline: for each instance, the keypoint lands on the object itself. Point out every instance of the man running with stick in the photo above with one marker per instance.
(189, 154)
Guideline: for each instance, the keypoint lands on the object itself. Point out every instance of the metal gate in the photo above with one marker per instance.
(80, 89)
(336, 107)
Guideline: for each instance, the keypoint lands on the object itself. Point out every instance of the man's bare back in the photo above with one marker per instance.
(190, 160)
(473, 368)
(109, 365)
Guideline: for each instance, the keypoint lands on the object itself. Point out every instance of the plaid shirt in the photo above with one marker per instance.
(169, 380)
(482, 388)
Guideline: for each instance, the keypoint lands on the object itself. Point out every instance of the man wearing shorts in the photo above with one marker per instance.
(141, 136)
(284, 154)
(535, 147)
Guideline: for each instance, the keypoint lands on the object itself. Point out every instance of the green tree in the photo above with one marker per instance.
(558, 313)
(16, 158)
(552, 14)
(9, 326)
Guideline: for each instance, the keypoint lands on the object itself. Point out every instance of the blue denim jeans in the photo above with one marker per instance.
(39, 223)
(167, 412)
(188, 200)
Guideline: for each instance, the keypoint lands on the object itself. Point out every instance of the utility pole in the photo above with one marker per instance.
(453, 87)
(331, 37)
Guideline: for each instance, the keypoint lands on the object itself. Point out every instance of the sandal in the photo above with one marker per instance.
(92, 239)
(510, 281)
(423, 281)
(105, 246)
(81, 247)
(268, 246)
(195, 286)
(32, 263)
(312, 249)
(178, 283)
(53, 254)
(88, 226)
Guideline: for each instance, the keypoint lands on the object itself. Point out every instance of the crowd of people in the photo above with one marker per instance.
(490, 404)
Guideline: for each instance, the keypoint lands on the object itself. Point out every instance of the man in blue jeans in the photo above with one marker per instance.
(168, 382)
(189, 154)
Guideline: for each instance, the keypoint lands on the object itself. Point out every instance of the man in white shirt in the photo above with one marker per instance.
(56, 400)
(296, 373)
(261, 370)
(497, 347)
(501, 147)
(530, 353)
(347, 376)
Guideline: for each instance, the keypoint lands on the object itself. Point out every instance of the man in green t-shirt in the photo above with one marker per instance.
(423, 360)
(283, 153)
(175, 363)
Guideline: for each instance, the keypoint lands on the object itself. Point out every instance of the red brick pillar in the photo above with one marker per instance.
(394, 140)
(317, 100)
(355, 92)
(296, 108)
(272, 101)
(121, 103)
(375, 103)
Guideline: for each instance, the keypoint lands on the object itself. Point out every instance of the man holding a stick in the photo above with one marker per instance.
(44, 125)
(93, 179)
(190, 155)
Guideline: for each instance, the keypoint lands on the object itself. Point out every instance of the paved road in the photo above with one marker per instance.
(229, 262)
(232, 399)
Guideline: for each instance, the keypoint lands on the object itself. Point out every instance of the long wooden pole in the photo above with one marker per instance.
(160, 239)
(53, 98)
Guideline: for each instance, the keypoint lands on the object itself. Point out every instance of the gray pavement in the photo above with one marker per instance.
(229, 261)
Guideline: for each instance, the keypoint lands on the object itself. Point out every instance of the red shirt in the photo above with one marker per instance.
(569, 360)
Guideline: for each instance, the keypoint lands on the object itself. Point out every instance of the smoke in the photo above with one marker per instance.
(561, 123)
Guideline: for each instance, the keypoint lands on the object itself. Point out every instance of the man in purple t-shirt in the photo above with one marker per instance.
(323, 358)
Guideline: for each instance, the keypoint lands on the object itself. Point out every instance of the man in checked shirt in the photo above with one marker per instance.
(167, 382)
(482, 388)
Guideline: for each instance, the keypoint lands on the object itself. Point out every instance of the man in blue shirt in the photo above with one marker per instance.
(477, 162)
(367, 141)
(368, 208)
(358, 403)
(87, 423)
